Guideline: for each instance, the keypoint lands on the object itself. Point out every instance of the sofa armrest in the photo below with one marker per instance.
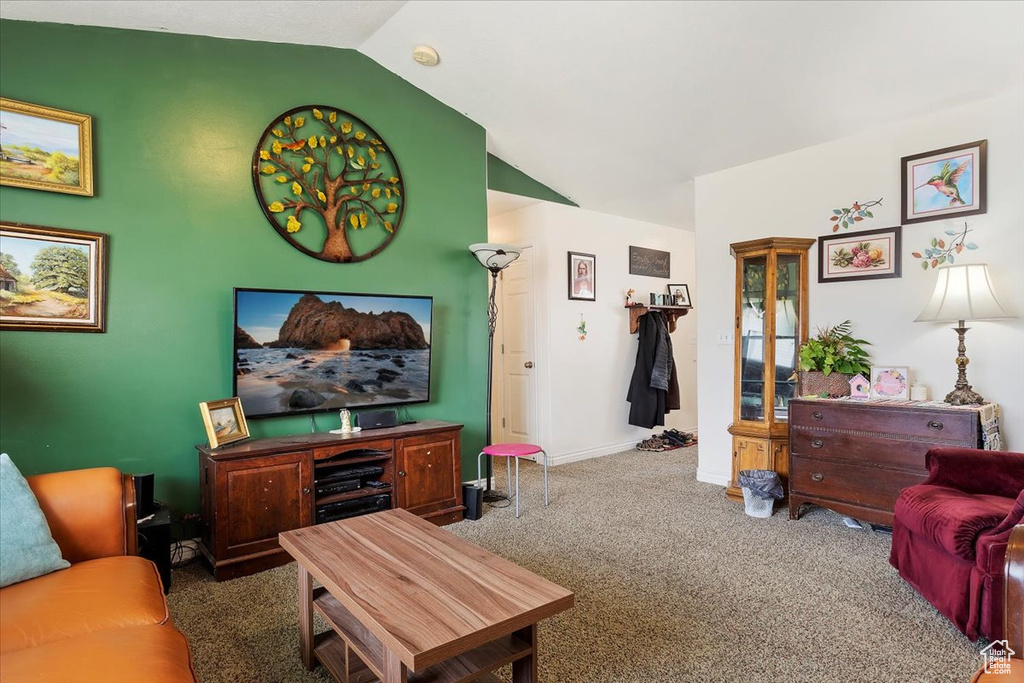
(91, 512)
(970, 470)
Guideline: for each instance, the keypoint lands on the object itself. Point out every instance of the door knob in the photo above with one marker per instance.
(528, 364)
(305, 490)
(401, 473)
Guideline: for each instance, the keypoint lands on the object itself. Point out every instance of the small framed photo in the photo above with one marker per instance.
(582, 276)
(679, 295)
(864, 255)
(890, 383)
(51, 279)
(224, 421)
(944, 183)
(45, 149)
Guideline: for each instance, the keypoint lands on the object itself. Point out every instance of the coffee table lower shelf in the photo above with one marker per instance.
(354, 655)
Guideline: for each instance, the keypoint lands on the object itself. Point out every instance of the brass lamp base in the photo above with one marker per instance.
(963, 394)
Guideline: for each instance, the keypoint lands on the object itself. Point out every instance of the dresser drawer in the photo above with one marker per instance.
(940, 427)
(829, 445)
(858, 484)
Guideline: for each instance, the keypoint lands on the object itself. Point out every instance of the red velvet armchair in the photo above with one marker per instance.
(949, 534)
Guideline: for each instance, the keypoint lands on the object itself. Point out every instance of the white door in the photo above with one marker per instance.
(518, 382)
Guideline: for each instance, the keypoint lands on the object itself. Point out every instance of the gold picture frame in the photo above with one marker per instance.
(52, 279)
(224, 421)
(42, 148)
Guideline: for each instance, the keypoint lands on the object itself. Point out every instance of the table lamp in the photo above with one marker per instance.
(962, 293)
(495, 258)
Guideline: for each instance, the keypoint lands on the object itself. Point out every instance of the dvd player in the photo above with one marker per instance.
(352, 508)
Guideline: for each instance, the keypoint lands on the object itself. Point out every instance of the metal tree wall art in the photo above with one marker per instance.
(328, 184)
(847, 216)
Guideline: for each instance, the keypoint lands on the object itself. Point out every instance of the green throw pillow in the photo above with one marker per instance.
(27, 548)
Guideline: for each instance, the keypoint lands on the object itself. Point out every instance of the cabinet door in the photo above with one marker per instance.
(261, 497)
(427, 477)
(748, 454)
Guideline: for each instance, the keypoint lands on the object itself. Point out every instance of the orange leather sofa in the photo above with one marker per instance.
(102, 619)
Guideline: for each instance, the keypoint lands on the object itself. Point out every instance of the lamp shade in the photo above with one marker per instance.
(493, 256)
(962, 293)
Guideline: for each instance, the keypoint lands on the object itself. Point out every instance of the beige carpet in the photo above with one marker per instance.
(672, 582)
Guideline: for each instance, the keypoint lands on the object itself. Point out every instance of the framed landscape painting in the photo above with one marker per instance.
(52, 279)
(865, 255)
(45, 149)
(944, 183)
(224, 421)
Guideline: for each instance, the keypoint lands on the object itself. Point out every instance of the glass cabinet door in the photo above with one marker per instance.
(752, 333)
(787, 326)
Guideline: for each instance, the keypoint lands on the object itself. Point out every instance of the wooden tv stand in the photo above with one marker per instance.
(251, 491)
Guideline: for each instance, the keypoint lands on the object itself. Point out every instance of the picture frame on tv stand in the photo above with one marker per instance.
(301, 352)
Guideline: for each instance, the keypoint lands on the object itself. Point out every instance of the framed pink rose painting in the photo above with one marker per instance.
(865, 255)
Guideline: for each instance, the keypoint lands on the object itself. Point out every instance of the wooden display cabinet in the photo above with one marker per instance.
(251, 491)
(770, 326)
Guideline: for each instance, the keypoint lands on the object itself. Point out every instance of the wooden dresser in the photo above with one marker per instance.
(251, 491)
(855, 458)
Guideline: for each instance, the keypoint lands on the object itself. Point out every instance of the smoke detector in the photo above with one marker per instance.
(425, 55)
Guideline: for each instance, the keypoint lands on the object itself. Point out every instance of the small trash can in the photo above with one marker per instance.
(761, 488)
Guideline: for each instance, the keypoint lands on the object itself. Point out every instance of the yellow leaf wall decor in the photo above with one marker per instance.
(364, 184)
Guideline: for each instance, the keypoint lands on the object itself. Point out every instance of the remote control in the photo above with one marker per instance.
(373, 483)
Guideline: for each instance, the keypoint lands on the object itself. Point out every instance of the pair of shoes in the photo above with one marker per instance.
(677, 438)
(655, 443)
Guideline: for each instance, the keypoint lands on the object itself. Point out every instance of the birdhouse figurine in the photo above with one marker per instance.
(859, 387)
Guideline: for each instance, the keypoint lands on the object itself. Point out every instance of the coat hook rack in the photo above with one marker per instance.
(671, 313)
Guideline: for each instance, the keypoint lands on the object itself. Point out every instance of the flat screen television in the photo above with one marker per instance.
(306, 352)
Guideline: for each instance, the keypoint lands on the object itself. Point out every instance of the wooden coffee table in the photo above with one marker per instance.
(408, 601)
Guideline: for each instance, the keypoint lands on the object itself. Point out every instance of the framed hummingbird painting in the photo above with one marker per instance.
(944, 183)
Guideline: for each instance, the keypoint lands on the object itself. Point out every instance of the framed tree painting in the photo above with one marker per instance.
(944, 183)
(45, 149)
(52, 279)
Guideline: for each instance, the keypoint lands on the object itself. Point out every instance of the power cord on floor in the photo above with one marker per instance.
(182, 554)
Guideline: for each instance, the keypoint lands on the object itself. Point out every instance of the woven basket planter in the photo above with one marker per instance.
(835, 385)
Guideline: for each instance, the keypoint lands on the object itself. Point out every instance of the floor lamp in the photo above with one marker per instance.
(962, 293)
(495, 258)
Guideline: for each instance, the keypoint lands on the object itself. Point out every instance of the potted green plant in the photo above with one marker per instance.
(829, 360)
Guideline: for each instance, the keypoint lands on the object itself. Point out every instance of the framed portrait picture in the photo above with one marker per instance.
(678, 295)
(224, 421)
(890, 383)
(944, 183)
(582, 276)
(44, 148)
(52, 279)
(865, 255)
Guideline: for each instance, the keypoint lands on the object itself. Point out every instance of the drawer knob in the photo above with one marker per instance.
(401, 473)
(816, 415)
(817, 443)
(817, 476)
(935, 424)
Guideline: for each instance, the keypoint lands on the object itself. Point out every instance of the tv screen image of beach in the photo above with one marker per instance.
(304, 352)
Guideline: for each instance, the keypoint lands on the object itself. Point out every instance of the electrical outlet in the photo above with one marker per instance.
(726, 338)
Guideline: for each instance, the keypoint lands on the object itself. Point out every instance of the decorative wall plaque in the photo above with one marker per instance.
(328, 184)
(650, 262)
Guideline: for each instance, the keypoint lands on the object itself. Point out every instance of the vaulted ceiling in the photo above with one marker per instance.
(619, 105)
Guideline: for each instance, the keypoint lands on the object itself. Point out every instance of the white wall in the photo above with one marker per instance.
(793, 196)
(582, 385)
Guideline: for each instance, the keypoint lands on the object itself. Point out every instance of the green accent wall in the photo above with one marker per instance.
(504, 177)
(175, 122)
